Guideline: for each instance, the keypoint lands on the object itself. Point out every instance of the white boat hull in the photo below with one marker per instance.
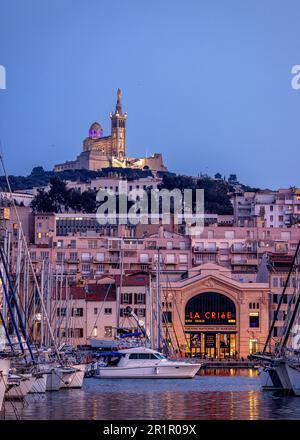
(281, 370)
(293, 372)
(20, 390)
(40, 385)
(53, 379)
(183, 371)
(269, 379)
(75, 378)
(4, 368)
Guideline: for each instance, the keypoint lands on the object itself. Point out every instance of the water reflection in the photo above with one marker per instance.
(233, 394)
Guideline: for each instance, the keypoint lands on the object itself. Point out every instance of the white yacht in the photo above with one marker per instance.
(145, 363)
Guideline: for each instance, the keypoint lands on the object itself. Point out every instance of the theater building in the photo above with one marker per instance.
(214, 315)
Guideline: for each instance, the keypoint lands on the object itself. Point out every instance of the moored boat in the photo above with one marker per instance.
(145, 363)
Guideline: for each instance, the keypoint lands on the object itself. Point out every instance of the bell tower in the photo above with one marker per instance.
(118, 129)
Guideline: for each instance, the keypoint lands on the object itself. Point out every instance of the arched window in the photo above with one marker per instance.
(210, 308)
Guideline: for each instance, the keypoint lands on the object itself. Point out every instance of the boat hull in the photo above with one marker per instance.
(20, 390)
(281, 370)
(75, 378)
(269, 379)
(293, 372)
(40, 385)
(4, 368)
(185, 371)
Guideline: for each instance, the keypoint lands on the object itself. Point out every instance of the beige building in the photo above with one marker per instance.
(110, 151)
(214, 315)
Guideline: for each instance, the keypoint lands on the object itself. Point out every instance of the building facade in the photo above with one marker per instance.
(110, 151)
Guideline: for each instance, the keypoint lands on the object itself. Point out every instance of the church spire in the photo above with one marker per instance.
(118, 129)
(119, 105)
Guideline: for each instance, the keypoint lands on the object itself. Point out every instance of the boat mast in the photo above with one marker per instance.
(281, 298)
(158, 300)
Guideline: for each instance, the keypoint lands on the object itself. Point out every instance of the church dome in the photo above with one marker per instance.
(95, 131)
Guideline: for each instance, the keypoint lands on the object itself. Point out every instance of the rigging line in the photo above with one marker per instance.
(108, 289)
(28, 256)
(293, 318)
(281, 298)
(176, 306)
(12, 292)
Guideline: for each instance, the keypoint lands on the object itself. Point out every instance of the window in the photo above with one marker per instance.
(254, 319)
(45, 255)
(107, 331)
(78, 332)
(126, 298)
(108, 311)
(183, 258)
(275, 298)
(275, 282)
(61, 311)
(100, 256)
(77, 312)
(100, 267)
(139, 298)
(86, 267)
(167, 317)
(86, 256)
(144, 258)
(73, 256)
(141, 313)
(60, 256)
(95, 311)
(141, 356)
(169, 245)
(229, 234)
(92, 244)
(171, 258)
(253, 346)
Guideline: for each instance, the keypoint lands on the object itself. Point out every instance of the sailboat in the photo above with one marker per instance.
(283, 364)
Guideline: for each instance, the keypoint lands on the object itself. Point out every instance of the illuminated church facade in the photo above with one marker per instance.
(101, 151)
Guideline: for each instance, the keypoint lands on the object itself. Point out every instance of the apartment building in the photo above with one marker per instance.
(269, 209)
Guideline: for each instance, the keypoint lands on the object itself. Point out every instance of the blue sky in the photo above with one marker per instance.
(205, 82)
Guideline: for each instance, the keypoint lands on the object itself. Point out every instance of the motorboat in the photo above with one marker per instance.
(143, 363)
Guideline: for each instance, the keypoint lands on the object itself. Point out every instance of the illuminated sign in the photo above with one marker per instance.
(210, 308)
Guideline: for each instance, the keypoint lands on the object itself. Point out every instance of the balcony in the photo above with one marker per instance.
(206, 250)
(243, 249)
(72, 260)
(86, 259)
(244, 261)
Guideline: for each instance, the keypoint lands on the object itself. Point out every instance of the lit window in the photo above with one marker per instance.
(254, 319)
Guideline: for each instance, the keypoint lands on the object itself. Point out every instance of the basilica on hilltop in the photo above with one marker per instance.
(101, 151)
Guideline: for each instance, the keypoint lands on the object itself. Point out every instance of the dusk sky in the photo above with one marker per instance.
(207, 83)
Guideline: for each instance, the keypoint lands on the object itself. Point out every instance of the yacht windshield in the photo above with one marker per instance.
(160, 356)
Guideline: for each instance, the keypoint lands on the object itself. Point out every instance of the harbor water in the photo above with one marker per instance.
(214, 394)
